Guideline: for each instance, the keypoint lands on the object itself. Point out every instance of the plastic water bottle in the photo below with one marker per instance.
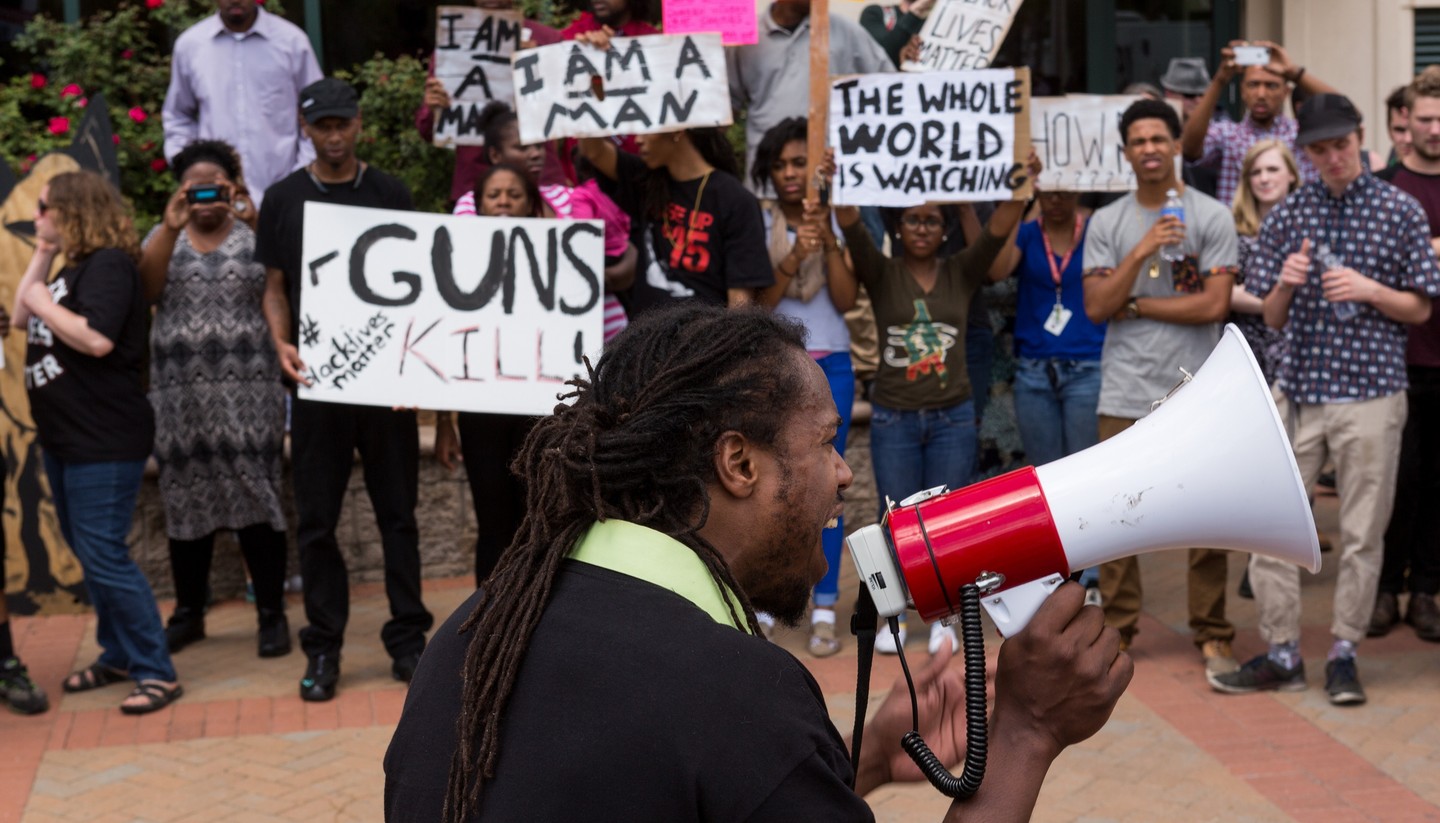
(1345, 310)
(1174, 207)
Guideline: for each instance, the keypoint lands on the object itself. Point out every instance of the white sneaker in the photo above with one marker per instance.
(885, 641)
(939, 632)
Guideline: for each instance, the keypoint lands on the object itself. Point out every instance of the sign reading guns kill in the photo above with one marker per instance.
(472, 60)
(904, 139)
(1077, 137)
(640, 85)
(496, 319)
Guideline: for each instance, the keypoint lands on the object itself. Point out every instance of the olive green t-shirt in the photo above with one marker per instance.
(922, 334)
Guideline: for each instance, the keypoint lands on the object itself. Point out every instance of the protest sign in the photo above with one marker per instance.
(473, 48)
(903, 139)
(734, 19)
(1077, 138)
(640, 85)
(963, 34)
(496, 319)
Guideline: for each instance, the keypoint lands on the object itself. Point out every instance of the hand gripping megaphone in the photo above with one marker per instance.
(1210, 467)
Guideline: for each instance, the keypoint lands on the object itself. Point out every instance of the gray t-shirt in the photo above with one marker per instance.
(1142, 358)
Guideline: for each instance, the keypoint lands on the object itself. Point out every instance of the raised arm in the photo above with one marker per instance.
(1192, 136)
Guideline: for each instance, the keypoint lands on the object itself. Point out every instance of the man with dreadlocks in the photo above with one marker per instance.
(611, 666)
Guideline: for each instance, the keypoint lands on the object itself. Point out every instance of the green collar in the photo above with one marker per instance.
(655, 557)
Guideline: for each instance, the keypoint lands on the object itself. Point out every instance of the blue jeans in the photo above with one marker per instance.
(841, 375)
(1055, 404)
(917, 450)
(95, 503)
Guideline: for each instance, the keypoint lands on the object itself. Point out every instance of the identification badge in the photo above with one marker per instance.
(1059, 317)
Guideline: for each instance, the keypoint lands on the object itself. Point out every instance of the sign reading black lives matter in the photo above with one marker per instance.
(473, 48)
(902, 139)
(489, 314)
(640, 85)
(1077, 138)
(963, 34)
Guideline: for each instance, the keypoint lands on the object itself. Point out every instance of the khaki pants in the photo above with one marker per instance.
(1121, 591)
(1363, 440)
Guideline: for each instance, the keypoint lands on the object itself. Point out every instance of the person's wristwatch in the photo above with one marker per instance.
(1132, 309)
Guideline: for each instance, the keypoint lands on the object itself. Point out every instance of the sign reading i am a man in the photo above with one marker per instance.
(473, 48)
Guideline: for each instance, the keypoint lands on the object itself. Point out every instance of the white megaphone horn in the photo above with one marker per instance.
(1211, 467)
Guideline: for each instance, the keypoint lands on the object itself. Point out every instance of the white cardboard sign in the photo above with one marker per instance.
(473, 48)
(487, 314)
(963, 34)
(902, 139)
(1077, 138)
(640, 85)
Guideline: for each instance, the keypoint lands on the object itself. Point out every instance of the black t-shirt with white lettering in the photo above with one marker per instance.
(91, 409)
(631, 705)
(709, 240)
(280, 234)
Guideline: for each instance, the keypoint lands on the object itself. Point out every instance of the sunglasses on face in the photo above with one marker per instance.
(912, 222)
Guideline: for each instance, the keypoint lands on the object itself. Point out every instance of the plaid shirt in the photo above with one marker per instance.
(1226, 142)
(1381, 232)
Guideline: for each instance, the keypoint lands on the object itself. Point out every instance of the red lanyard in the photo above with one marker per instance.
(1050, 253)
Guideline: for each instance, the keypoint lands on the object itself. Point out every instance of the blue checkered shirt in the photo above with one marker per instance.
(1381, 232)
(1227, 141)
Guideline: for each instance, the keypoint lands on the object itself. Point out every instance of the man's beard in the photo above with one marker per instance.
(1418, 146)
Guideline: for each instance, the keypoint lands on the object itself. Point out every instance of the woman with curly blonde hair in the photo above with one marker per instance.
(86, 342)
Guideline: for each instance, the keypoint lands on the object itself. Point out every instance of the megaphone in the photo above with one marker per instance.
(1210, 466)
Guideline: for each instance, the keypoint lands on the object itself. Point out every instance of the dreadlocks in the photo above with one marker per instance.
(713, 146)
(637, 443)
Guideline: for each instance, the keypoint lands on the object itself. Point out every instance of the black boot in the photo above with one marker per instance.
(184, 627)
(274, 636)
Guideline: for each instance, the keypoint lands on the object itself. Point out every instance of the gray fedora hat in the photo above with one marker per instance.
(1186, 75)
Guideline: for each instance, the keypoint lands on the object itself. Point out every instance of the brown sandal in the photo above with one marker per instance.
(95, 676)
(157, 696)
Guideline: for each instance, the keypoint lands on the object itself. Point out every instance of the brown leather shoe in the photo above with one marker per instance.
(1385, 616)
(1424, 615)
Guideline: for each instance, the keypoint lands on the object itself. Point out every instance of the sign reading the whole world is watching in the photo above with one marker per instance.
(903, 138)
(499, 315)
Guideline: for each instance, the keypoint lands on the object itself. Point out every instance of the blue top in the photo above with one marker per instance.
(1035, 299)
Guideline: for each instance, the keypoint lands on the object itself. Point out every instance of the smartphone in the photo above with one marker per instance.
(205, 195)
(1252, 56)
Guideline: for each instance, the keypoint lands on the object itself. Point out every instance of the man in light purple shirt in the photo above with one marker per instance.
(237, 77)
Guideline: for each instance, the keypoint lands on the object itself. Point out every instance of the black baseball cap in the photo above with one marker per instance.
(329, 97)
(1325, 117)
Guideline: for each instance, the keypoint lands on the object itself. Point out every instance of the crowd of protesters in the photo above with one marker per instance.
(1321, 251)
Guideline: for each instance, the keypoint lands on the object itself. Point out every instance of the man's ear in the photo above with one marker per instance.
(735, 468)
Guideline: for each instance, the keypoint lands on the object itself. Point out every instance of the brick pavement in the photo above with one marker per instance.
(241, 746)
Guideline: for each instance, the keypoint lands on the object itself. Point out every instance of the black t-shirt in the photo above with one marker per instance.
(1422, 187)
(279, 236)
(87, 408)
(631, 705)
(690, 252)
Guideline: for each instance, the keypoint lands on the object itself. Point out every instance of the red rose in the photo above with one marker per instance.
(82, 102)
(137, 114)
(154, 4)
(71, 90)
(59, 125)
(127, 54)
(37, 81)
(115, 138)
(158, 164)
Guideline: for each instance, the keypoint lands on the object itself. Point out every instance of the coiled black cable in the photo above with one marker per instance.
(972, 644)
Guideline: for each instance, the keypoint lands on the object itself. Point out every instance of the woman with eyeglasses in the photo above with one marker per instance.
(922, 427)
(86, 345)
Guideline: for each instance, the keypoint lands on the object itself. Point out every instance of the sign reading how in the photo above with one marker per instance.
(734, 19)
(903, 139)
(963, 34)
(640, 85)
(496, 320)
(472, 58)
(1077, 138)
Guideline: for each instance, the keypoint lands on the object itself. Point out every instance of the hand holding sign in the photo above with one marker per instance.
(472, 67)
(963, 34)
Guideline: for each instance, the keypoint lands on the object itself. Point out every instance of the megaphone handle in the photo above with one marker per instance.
(1012, 609)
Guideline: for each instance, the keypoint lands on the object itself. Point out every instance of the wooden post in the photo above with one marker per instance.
(819, 90)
